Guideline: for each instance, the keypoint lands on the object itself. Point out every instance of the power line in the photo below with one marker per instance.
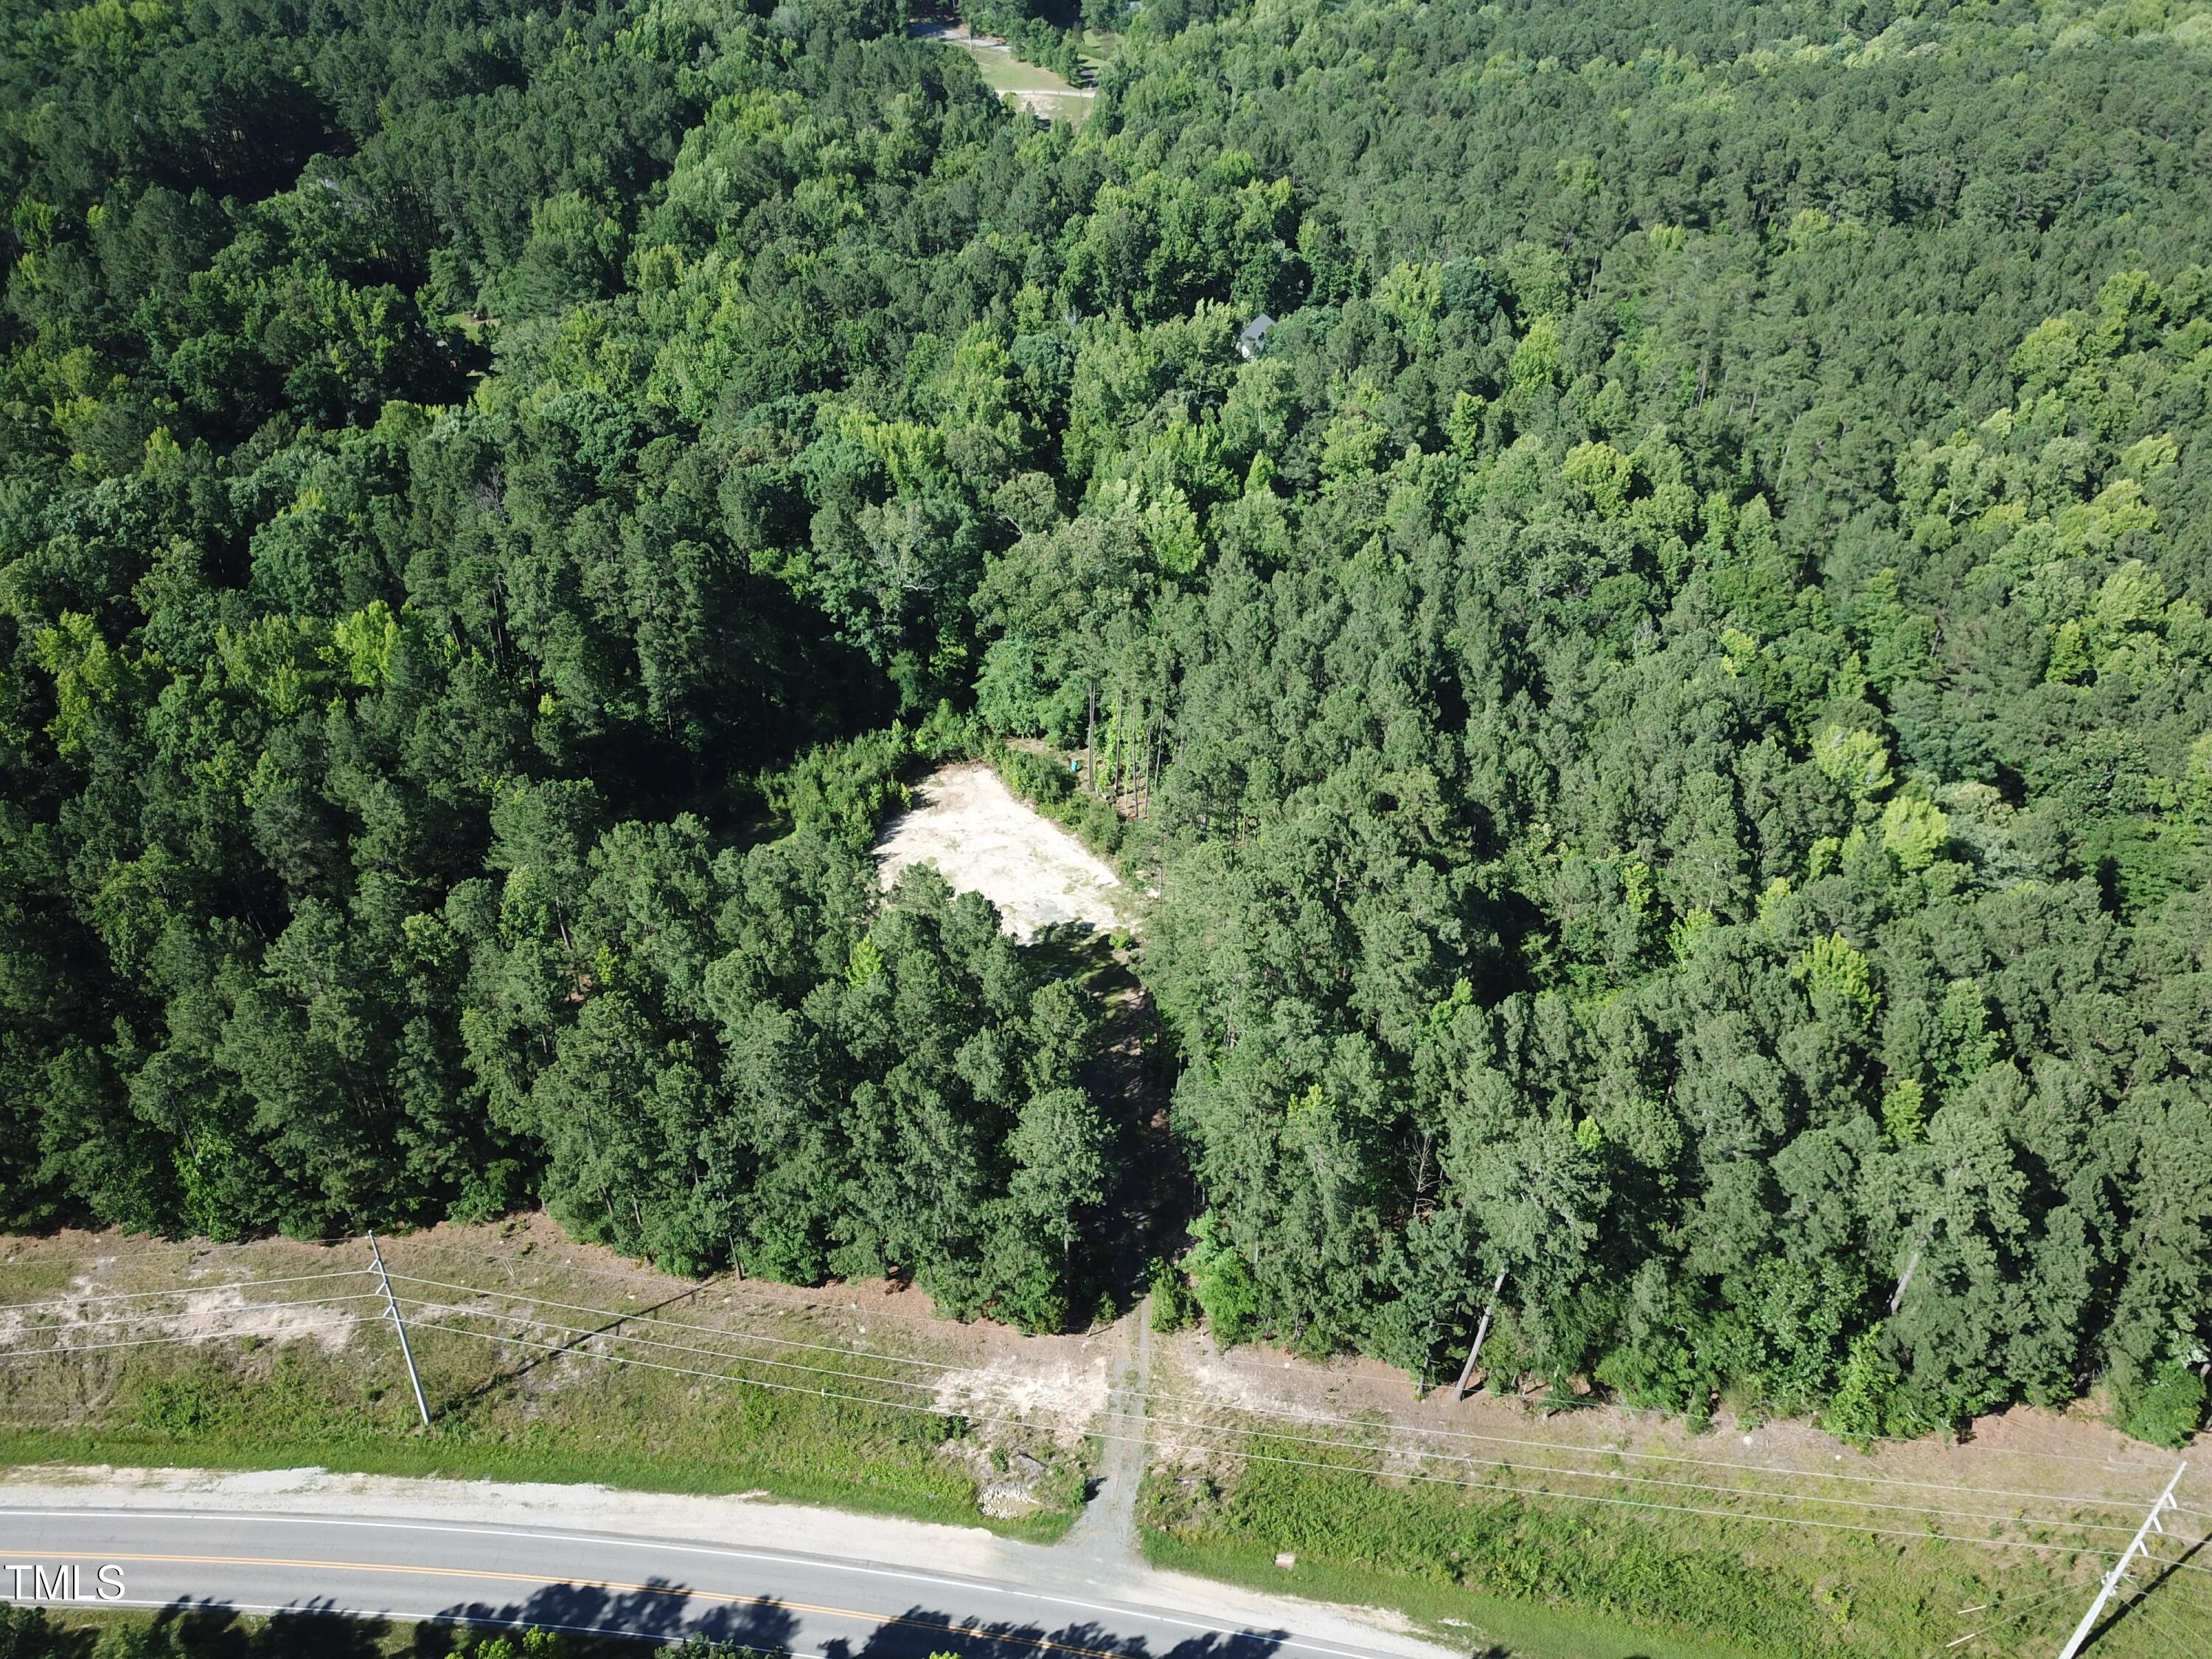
(1308, 1416)
(1744, 1493)
(682, 1324)
(171, 1341)
(1966, 1447)
(878, 1311)
(1748, 1495)
(2150, 1523)
(1297, 1414)
(200, 1246)
(147, 1318)
(1153, 1397)
(420, 1304)
(1725, 1515)
(1262, 1457)
(1553, 1447)
(1550, 1448)
(1693, 1486)
(2145, 1608)
(2156, 1617)
(180, 1290)
(625, 1271)
(105, 1348)
(2014, 1618)
(628, 1272)
(427, 1240)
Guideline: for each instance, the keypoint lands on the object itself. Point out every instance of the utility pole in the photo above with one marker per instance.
(392, 1304)
(1920, 1241)
(1481, 1331)
(1897, 1295)
(2120, 1567)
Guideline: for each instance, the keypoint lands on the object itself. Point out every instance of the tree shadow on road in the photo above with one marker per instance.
(919, 1632)
(659, 1610)
(602, 1623)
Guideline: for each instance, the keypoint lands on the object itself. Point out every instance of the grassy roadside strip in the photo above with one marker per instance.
(509, 1414)
(1576, 1581)
(1465, 1618)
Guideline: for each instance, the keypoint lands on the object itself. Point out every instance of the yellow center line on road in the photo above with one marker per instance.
(492, 1573)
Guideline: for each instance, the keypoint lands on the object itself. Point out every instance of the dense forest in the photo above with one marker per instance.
(1668, 700)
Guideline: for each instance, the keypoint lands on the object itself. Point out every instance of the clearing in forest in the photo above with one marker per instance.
(1035, 88)
(984, 838)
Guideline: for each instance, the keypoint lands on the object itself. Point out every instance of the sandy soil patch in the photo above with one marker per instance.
(1070, 1387)
(89, 1319)
(985, 839)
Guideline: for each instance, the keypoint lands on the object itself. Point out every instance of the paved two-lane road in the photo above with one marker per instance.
(404, 1569)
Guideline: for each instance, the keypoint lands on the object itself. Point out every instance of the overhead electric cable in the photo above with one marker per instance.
(1297, 1414)
(1740, 1492)
(180, 1290)
(145, 1318)
(7, 1354)
(1261, 1457)
(683, 1324)
(1554, 1448)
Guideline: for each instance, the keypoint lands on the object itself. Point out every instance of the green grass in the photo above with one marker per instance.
(1455, 1615)
(1553, 1580)
(1484, 1571)
(236, 1405)
(1004, 72)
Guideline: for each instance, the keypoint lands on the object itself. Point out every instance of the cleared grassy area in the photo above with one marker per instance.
(1004, 72)
(1556, 1581)
(545, 1361)
(533, 1371)
(1505, 1522)
(1489, 1625)
(1040, 90)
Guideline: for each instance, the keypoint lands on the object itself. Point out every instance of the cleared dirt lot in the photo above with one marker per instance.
(985, 839)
